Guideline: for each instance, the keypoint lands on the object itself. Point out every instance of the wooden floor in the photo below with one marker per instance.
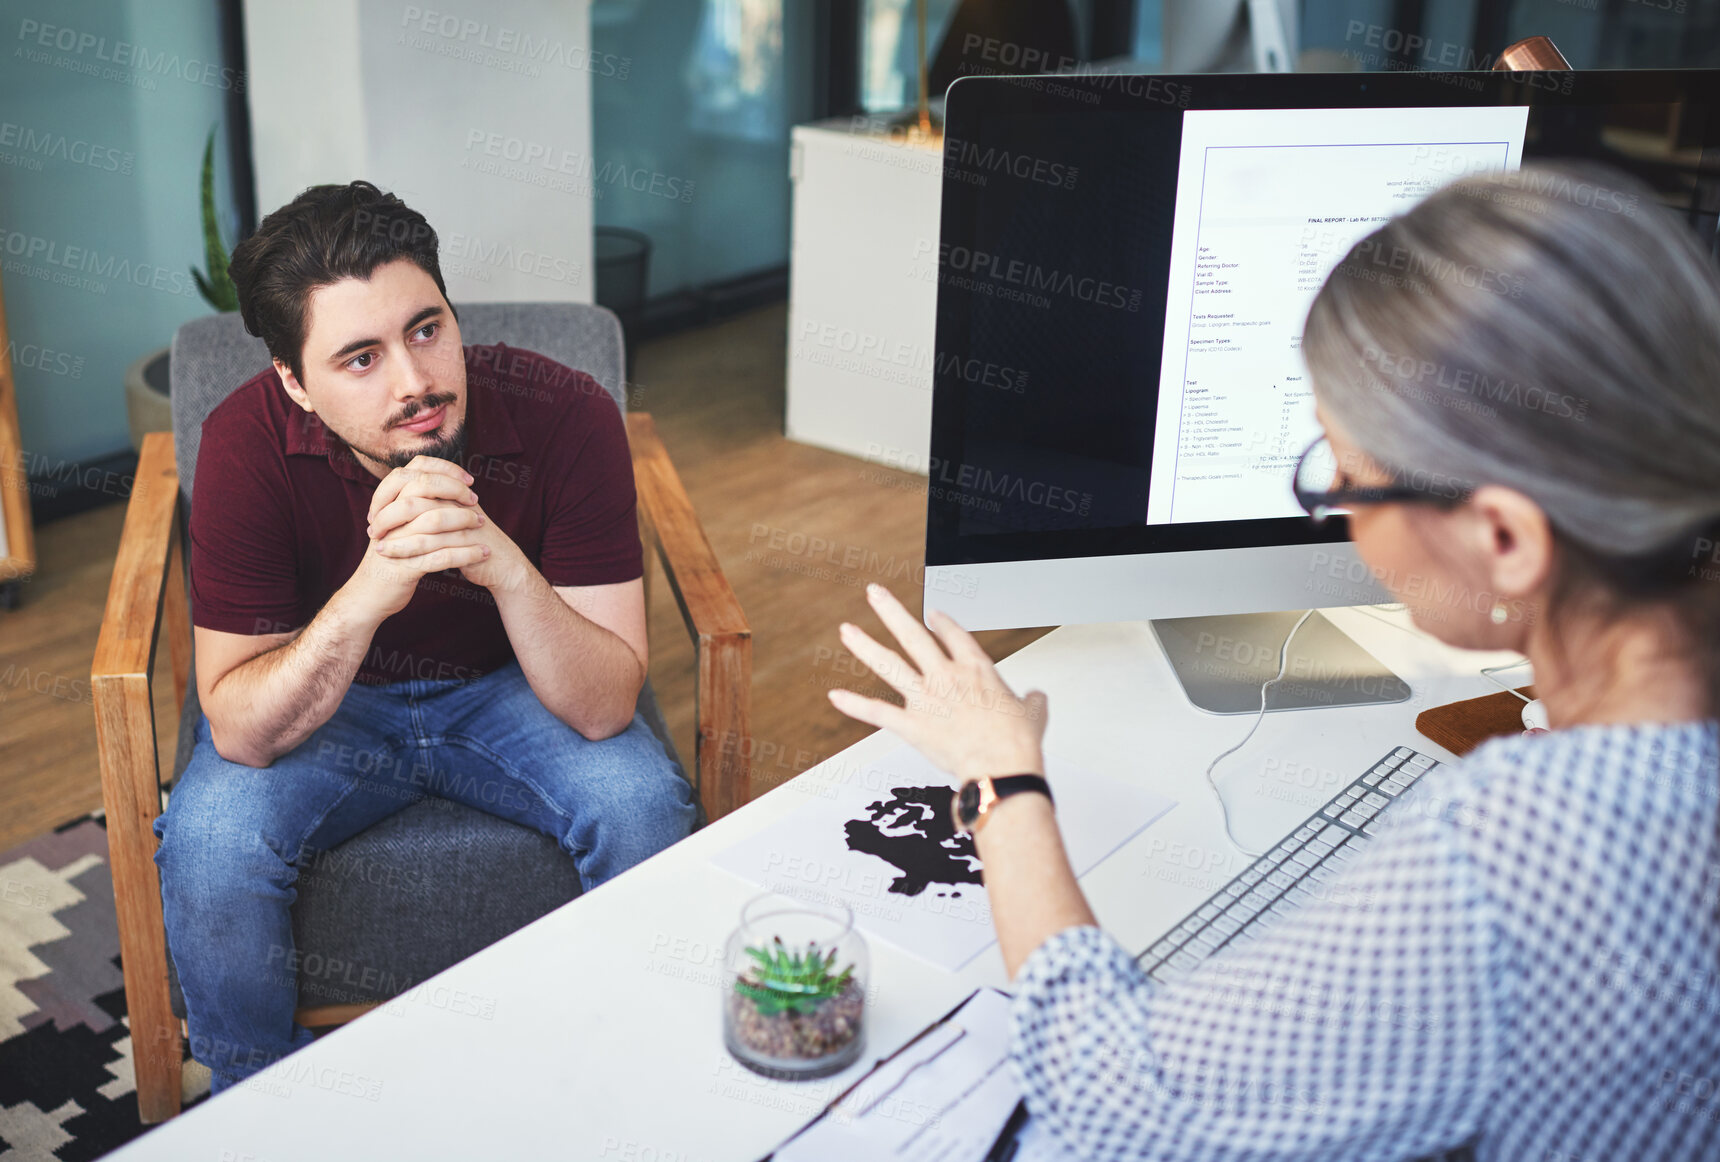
(48, 772)
(717, 395)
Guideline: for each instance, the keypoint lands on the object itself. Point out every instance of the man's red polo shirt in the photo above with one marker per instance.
(280, 505)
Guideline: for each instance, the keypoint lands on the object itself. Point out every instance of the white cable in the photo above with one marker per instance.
(1488, 672)
(1391, 607)
(1283, 658)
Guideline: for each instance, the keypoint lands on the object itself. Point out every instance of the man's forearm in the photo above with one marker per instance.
(268, 705)
(597, 693)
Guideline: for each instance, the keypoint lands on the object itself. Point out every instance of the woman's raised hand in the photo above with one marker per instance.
(957, 711)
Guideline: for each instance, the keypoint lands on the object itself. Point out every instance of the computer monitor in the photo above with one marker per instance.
(1123, 269)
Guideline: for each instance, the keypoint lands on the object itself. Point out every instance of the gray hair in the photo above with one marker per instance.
(1553, 329)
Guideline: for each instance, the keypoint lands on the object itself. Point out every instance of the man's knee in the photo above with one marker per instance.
(218, 829)
(218, 859)
(671, 798)
(655, 787)
(642, 754)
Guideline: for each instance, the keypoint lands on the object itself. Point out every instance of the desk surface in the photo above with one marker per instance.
(595, 1032)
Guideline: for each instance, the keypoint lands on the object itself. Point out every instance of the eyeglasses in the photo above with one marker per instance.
(1318, 492)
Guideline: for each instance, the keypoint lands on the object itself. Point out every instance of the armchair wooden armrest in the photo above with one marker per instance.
(723, 640)
(146, 599)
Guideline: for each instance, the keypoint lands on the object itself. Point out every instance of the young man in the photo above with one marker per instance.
(415, 570)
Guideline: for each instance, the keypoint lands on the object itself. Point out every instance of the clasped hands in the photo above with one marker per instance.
(425, 518)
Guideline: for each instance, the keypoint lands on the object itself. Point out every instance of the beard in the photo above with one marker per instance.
(450, 445)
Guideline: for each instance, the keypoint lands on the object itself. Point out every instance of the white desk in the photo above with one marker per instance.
(603, 1039)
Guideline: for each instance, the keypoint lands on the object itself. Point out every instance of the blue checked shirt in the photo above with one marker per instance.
(1524, 960)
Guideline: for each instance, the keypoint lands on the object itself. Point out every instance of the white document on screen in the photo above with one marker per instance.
(879, 838)
(1268, 201)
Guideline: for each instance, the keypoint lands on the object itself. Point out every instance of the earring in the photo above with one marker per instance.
(1500, 614)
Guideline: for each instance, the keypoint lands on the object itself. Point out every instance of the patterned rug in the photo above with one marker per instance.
(66, 1085)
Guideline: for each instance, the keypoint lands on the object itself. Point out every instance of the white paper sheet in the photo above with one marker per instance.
(926, 898)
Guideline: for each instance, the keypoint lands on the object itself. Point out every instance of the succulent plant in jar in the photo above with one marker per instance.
(789, 1011)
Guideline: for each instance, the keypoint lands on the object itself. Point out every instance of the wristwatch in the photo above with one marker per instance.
(976, 798)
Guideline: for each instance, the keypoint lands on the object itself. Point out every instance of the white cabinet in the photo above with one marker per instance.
(863, 290)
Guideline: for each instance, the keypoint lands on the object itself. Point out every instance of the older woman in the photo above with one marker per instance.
(1537, 975)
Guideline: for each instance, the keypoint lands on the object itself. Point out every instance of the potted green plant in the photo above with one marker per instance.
(148, 408)
(794, 997)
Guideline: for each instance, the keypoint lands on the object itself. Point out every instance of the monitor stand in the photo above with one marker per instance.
(1222, 662)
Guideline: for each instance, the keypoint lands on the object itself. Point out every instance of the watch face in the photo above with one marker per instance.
(967, 803)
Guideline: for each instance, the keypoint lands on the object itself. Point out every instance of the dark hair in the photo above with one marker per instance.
(325, 234)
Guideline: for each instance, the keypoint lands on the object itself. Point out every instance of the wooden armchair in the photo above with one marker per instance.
(147, 601)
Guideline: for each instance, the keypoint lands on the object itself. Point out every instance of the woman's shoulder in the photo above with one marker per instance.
(1600, 752)
(1550, 787)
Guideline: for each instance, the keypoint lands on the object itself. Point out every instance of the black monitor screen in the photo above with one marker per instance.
(1102, 235)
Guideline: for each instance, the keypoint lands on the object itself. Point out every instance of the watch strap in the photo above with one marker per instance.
(1006, 785)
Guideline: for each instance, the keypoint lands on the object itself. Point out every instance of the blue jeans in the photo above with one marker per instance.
(232, 835)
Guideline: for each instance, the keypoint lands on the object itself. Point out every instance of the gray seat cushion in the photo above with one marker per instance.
(437, 881)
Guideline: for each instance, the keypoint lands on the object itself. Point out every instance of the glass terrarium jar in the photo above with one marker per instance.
(794, 988)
